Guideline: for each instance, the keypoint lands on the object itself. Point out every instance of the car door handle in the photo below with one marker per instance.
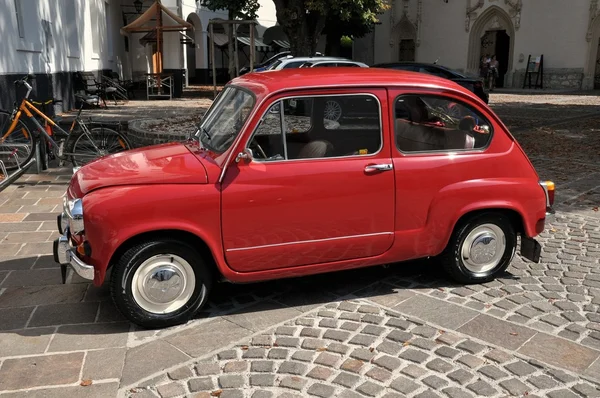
(371, 168)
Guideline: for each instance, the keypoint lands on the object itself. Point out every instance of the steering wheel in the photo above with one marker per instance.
(259, 148)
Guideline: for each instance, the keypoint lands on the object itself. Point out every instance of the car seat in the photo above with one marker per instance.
(316, 149)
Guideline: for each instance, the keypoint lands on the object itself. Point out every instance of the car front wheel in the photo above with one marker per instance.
(480, 248)
(160, 283)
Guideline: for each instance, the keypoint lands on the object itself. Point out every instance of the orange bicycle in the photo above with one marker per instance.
(80, 146)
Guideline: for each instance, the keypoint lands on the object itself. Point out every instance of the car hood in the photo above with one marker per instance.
(171, 163)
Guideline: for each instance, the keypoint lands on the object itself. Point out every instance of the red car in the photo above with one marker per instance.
(269, 187)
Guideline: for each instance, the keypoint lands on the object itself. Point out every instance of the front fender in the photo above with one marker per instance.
(522, 195)
(116, 214)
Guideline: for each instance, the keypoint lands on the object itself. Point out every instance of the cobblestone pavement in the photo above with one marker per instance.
(387, 332)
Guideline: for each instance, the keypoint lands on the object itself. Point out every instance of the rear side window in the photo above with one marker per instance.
(410, 68)
(436, 72)
(293, 65)
(429, 123)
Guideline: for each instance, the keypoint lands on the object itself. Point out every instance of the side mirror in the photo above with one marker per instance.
(245, 155)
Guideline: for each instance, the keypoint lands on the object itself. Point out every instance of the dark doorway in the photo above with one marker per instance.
(406, 50)
(502, 53)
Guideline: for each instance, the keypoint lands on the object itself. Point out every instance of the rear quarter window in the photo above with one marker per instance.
(431, 123)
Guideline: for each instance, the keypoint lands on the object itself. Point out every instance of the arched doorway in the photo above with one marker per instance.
(195, 51)
(493, 33)
(404, 35)
(592, 69)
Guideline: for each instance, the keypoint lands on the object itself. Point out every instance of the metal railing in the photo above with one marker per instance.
(8, 179)
(159, 85)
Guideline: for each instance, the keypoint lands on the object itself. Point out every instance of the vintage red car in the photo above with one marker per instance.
(270, 187)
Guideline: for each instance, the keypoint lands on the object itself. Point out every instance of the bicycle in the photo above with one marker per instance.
(83, 145)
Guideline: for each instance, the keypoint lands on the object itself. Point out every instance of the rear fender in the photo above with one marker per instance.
(522, 196)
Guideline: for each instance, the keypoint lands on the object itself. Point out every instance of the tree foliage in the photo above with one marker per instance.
(238, 9)
(305, 20)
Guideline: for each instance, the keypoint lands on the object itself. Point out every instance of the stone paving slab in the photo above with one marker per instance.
(374, 351)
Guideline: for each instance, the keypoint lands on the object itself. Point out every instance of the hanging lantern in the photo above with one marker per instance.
(138, 6)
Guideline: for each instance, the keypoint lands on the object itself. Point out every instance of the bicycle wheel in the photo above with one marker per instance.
(16, 148)
(100, 141)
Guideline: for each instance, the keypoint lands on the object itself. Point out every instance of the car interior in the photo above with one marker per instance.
(420, 127)
(310, 135)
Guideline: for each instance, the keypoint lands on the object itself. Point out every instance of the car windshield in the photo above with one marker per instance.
(225, 118)
(275, 64)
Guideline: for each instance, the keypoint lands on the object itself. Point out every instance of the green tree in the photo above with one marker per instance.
(303, 21)
(237, 9)
(355, 21)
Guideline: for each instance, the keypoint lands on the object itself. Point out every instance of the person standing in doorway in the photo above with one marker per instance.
(493, 71)
(483, 67)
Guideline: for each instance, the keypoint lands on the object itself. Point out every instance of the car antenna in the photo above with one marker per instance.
(436, 61)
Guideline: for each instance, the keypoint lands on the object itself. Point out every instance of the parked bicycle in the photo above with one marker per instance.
(80, 144)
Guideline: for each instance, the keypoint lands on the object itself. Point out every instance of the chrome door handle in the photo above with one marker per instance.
(378, 167)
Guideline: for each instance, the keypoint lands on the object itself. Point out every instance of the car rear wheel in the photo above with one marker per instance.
(480, 248)
(160, 283)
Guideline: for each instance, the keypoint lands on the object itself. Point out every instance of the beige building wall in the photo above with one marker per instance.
(567, 33)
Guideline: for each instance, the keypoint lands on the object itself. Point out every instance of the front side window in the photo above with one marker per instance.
(318, 127)
(225, 119)
(429, 123)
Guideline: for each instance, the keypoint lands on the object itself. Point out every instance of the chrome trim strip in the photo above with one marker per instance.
(545, 188)
(283, 129)
(309, 241)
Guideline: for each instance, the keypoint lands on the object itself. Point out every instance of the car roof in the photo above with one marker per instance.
(348, 61)
(438, 66)
(300, 78)
(316, 57)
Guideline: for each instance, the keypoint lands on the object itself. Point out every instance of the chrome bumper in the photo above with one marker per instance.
(65, 255)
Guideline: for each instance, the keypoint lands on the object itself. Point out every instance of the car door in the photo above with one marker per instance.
(441, 142)
(323, 192)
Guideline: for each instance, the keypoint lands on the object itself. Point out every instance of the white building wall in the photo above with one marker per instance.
(443, 34)
(555, 28)
(77, 38)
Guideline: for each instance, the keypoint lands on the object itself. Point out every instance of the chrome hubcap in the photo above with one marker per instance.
(163, 284)
(333, 110)
(483, 248)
